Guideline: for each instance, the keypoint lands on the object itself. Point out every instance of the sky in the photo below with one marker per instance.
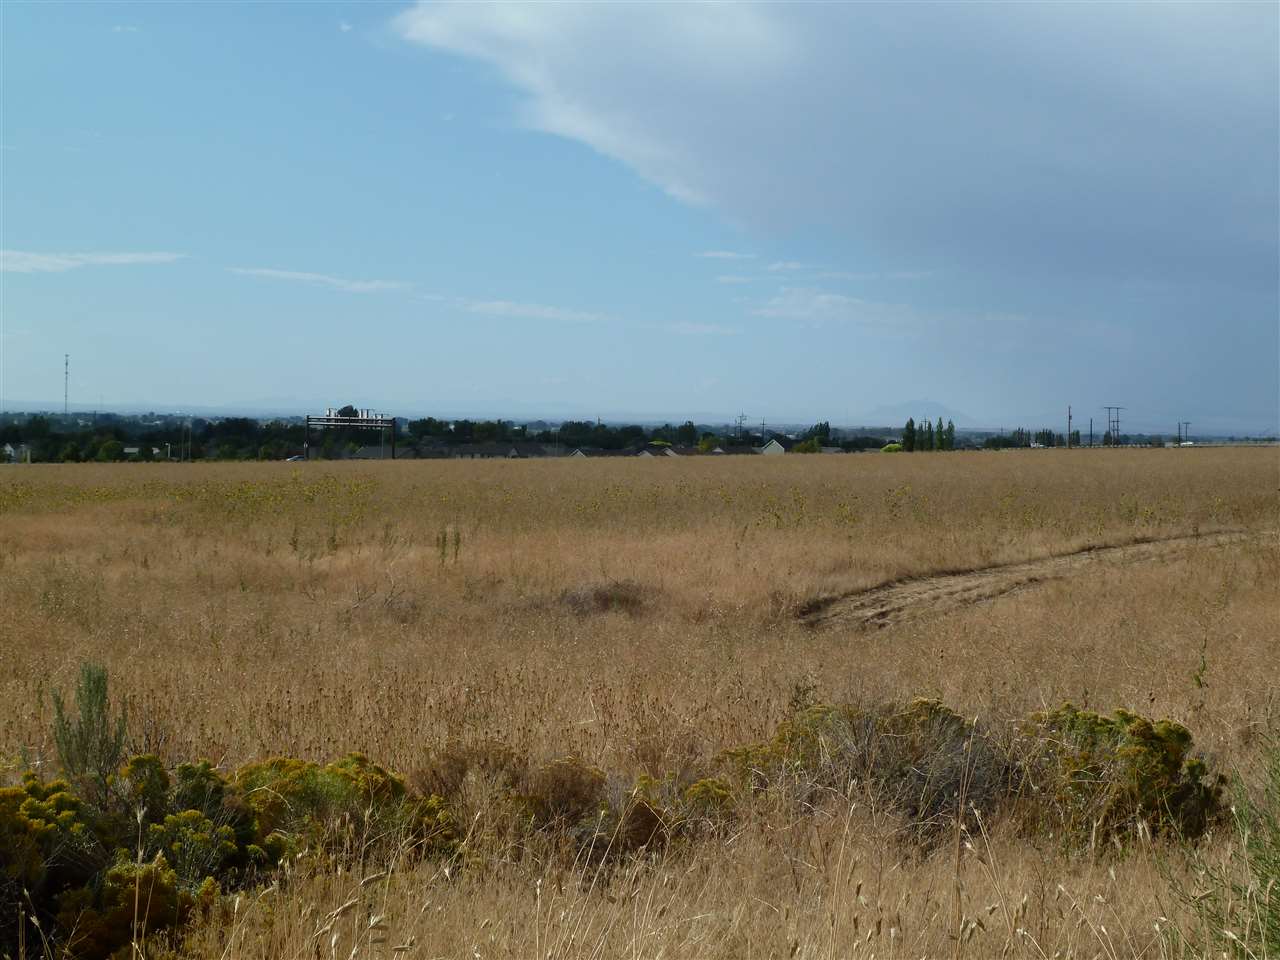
(798, 212)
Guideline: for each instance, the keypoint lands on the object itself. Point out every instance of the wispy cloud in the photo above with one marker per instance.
(893, 275)
(810, 305)
(530, 311)
(23, 261)
(124, 28)
(781, 265)
(685, 329)
(732, 278)
(724, 255)
(323, 280)
(345, 27)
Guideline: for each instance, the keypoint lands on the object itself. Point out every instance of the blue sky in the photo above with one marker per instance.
(801, 211)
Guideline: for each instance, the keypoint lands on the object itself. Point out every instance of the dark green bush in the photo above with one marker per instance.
(1107, 776)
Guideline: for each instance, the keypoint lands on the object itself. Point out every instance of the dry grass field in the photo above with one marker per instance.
(645, 617)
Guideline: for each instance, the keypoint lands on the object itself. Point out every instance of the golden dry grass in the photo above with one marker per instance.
(257, 609)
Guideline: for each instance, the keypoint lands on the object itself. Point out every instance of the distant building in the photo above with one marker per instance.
(776, 445)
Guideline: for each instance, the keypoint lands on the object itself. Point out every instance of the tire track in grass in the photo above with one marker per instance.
(916, 597)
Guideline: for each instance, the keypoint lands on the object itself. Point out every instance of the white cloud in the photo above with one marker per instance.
(124, 28)
(580, 94)
(732, 278)
(780, 265)
(685, 329)
(811, 305)
(724, 255)
(345, 27)
(22, 261)
(530, 311)
(324, 280)
(945, 133)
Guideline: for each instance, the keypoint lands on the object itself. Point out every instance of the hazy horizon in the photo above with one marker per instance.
(798, 212)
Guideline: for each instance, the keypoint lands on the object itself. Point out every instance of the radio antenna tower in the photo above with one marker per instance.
(66, 381)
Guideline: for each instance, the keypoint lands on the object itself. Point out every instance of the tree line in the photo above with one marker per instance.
(926, 436)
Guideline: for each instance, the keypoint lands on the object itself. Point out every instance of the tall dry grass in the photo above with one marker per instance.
(642, 615)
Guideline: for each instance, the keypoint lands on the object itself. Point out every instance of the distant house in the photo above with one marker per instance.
(734, 449)
(658, 450)
(776, 445)
(14, 452)
(524, 450)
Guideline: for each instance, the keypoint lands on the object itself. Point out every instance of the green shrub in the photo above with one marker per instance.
(91, 745)
(1105, 776)
(710, 798)
(144, 785)
(131, 901)
(47, 846)
(194, 845)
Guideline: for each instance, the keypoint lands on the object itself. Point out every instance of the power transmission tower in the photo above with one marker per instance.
(1113, 423)
(742, 419)
(1185, 432)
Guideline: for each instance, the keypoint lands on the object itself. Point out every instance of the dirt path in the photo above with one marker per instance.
(929, 596)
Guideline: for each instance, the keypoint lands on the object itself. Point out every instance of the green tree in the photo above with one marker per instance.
(111, 451)
(951, 436)
(925, 442)
(70, 453)
(687, 434)
(909, 435)
(939, 436)
(808, 446)
(348, 411)
(821, 431)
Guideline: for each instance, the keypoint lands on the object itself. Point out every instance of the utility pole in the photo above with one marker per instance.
(1068, 426)
(1186, 430)
(1091, 431)
(66, 381)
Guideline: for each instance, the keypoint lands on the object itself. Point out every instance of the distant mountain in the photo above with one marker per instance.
(894, 414)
